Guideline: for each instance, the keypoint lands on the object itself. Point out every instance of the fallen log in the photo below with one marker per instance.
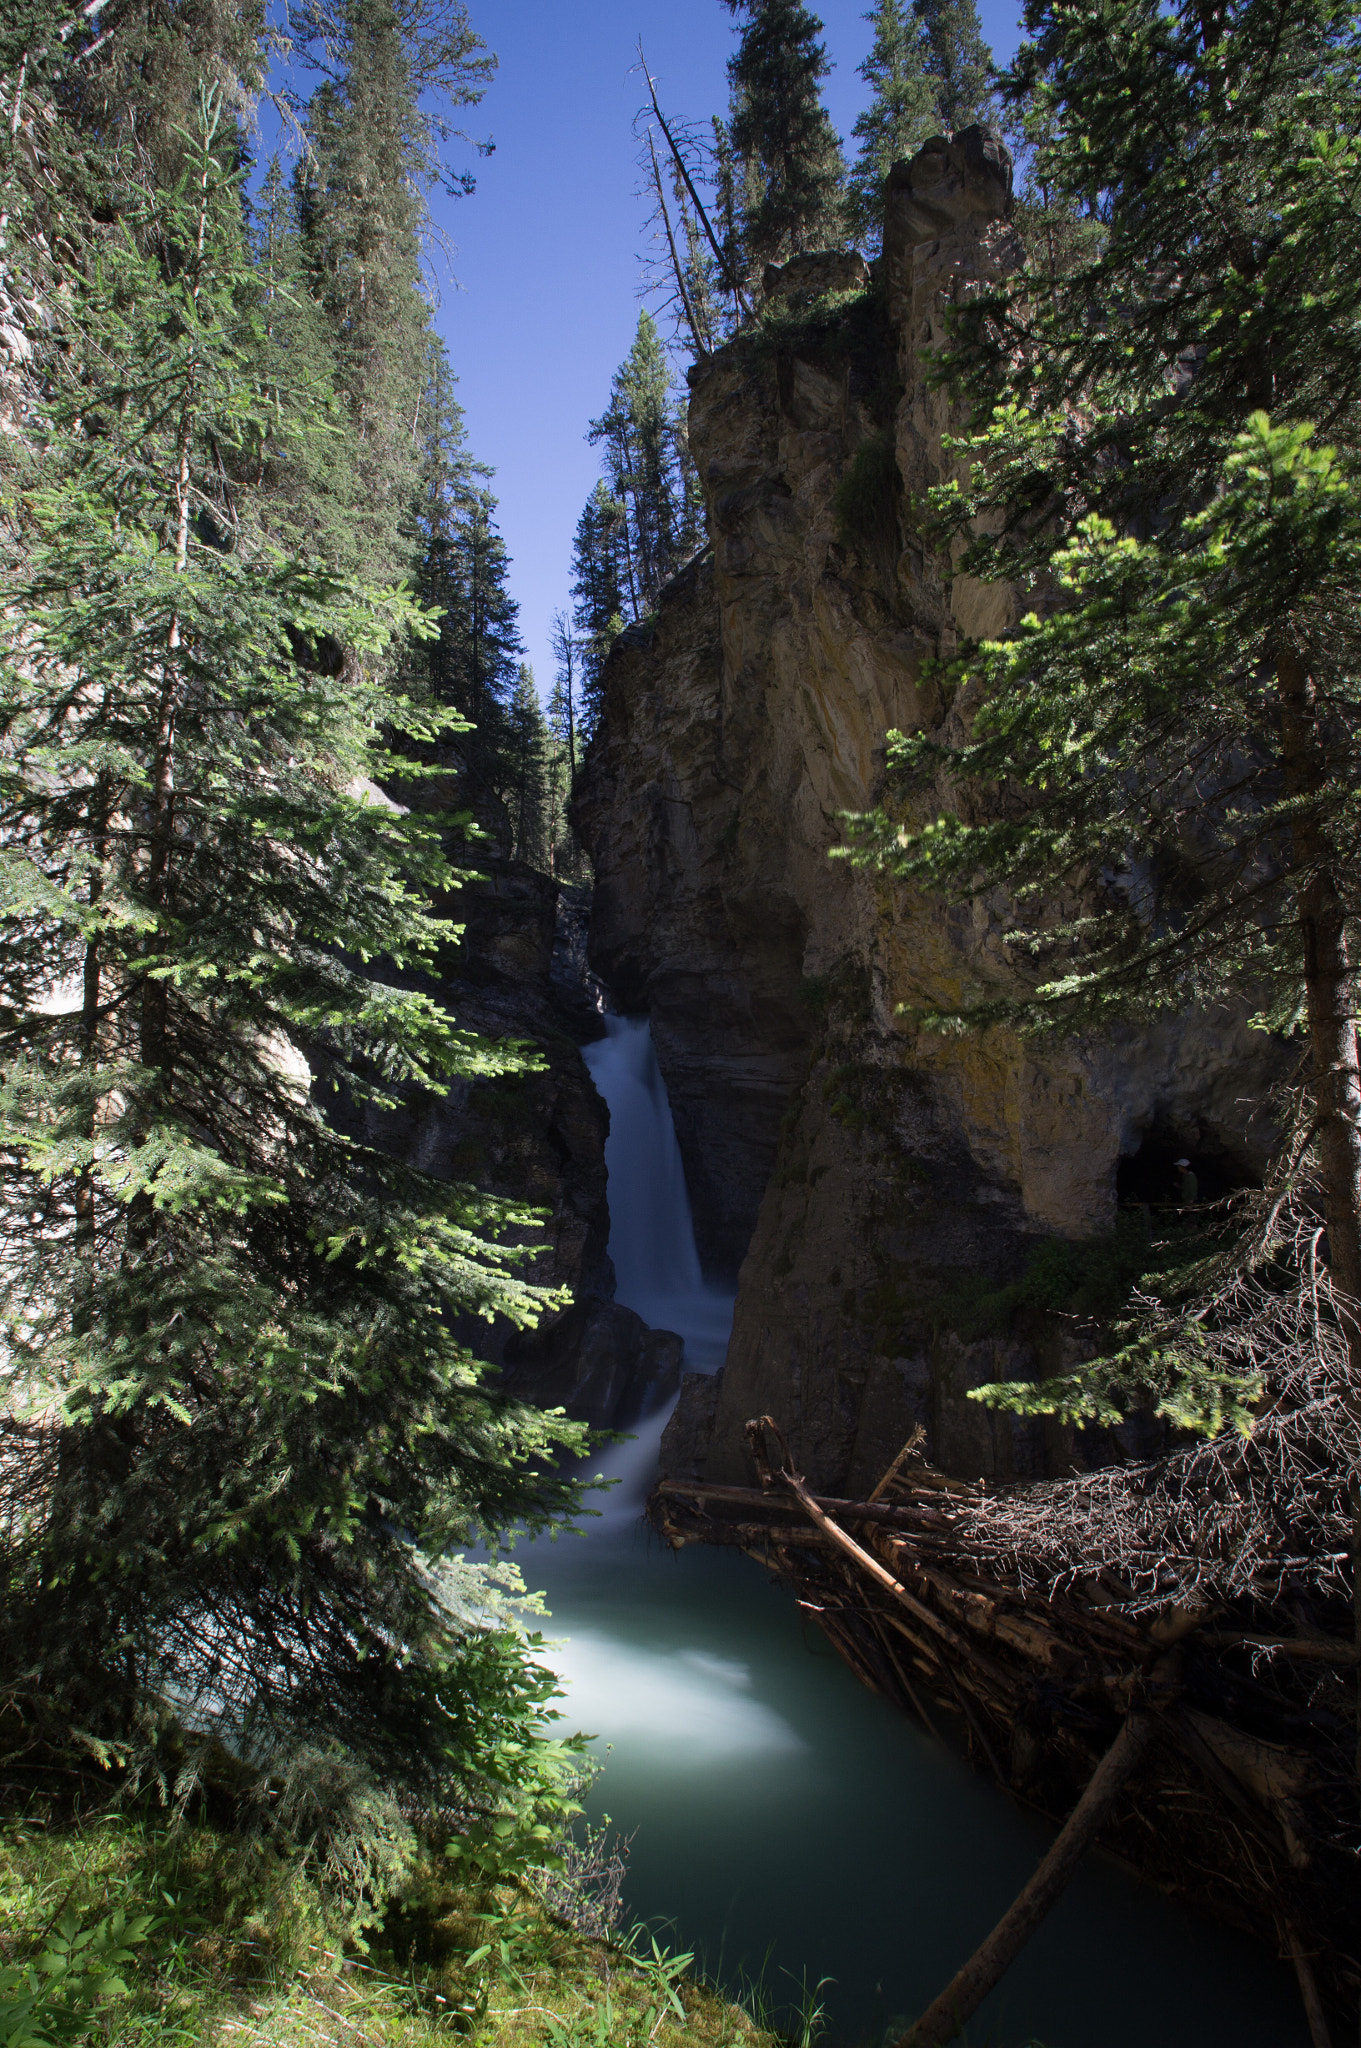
(1244, 1804)
(895, 1514)
(868, 1563)
(1308, 1983)
(946, 2017)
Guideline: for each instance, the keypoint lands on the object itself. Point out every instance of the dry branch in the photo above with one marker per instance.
(1035, 1614)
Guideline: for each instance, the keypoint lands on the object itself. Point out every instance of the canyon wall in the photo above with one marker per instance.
(519, 972)
(877, 1184)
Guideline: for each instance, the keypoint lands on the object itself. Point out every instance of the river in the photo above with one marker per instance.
(787, 1824)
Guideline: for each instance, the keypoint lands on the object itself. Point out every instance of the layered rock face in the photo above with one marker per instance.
(875, 1182)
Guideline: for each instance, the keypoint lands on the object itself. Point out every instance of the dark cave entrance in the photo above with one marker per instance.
(1150, 1177)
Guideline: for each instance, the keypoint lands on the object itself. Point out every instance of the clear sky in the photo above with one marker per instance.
(547, 248)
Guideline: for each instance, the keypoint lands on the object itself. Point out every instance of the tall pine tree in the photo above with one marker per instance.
(781, 131)
(597, 592)
(649, 470)
(901, 113)
(958, 62)
(361, 217)
(929, 69)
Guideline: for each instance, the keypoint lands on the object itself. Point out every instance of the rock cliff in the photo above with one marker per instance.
(519, 972)
(877, 1184)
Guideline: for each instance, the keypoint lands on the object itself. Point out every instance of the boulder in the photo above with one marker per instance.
(809, 276)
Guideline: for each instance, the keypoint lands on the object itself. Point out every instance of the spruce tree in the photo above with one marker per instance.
(243, 1439)
(900, 115)
(1164, 771)
(598, 594)
(566, 681)
(957, 61)
(781, 130)
(649, 469)
(361, 215)
(490, 649)
(527, 759)
(929, 70)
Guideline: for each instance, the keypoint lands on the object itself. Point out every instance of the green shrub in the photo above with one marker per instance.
(867, 499)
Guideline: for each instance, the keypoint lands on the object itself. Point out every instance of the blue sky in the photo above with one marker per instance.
(547, 248)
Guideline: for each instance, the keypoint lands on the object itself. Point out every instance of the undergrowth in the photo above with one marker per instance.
(1090, 1279)
(120, 1932)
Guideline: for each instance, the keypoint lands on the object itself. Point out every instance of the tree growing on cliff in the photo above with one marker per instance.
(528, 760)
(928, 70)
(794, 194)
(1165, 772)
(900, 115)
(956, 60)
(242, 1437)
(597, 593)
(649, 473)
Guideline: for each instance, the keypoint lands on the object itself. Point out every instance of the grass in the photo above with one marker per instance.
(121, 1933)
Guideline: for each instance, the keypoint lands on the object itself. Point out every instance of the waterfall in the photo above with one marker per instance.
(652, 1233)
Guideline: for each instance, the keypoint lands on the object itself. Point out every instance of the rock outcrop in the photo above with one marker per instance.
(876, 1183)
(519, 972)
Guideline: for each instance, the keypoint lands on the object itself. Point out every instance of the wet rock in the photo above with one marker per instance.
(688, 1436)
(597, 1360)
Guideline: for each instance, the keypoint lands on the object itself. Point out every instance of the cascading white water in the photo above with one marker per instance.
(737, 1760)
(652, 1237)
(652, 1234)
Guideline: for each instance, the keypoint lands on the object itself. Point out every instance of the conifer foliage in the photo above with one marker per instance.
(1166, 772)
(780, 130)
(242, 1438)
(648, 471)
(928, 68)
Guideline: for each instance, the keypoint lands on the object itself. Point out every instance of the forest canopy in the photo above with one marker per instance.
(246, 1433)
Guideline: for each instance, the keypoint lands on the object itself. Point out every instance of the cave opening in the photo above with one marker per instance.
(1151, 1175)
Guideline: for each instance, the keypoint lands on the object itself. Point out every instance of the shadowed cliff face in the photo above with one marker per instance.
(869, 1178)
(538, 1137)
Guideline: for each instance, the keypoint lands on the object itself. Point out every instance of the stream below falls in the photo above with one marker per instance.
(789, 1826)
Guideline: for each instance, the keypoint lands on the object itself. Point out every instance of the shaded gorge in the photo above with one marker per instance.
(788, 1825)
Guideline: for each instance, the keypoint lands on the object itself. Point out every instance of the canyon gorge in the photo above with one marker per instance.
(872, 1188)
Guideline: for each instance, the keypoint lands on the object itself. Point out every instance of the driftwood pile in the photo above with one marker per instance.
(1168, 1646)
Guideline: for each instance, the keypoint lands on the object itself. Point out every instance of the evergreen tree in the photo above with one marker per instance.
(957, 61)
(528, 760)
(243, 1439)
(449, 479)
(361, 217)
(736, 190)
(781, 130)
(649, 469)
(309, 479)
(928, 69)
(566, 663)
(597, 588)
(490, 630)
(1180, 720)
(900, 115)
(566, 859)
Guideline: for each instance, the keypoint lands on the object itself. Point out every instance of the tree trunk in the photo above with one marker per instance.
(1328, 984)
(946, 2017)
(1331, 1007)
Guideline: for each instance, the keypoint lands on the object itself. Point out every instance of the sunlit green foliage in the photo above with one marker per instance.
(1162, 782)
(242, 1437)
